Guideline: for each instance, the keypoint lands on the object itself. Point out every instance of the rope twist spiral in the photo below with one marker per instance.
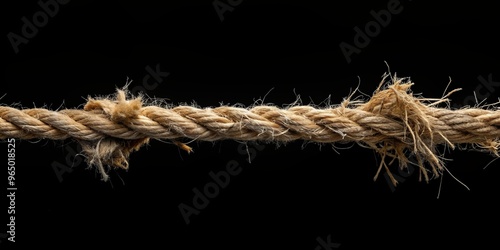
(394, 123)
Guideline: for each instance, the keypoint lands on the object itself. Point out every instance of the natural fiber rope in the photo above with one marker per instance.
(393, 122)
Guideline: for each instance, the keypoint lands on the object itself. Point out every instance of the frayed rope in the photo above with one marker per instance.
(394, 123)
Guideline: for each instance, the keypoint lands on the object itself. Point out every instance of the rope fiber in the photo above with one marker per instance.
(393, 122)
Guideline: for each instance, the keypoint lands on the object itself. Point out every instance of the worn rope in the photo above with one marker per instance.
(393, 122)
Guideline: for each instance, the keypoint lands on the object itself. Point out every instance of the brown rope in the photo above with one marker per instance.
(393, 122)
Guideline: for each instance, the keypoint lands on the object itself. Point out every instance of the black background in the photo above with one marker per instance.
(288, 196)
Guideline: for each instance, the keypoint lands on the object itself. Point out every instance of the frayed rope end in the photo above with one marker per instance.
(110, 153)
(113, 152)
(392, 100)
(397, 102)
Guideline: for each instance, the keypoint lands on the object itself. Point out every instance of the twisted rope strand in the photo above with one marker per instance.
(258, 123)
(393, 122)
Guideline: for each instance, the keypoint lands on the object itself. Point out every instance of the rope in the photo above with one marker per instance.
(394, 123)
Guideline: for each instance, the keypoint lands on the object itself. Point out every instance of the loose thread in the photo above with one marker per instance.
(393, 122)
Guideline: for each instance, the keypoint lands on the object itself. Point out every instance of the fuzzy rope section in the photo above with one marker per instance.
(393, 122)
